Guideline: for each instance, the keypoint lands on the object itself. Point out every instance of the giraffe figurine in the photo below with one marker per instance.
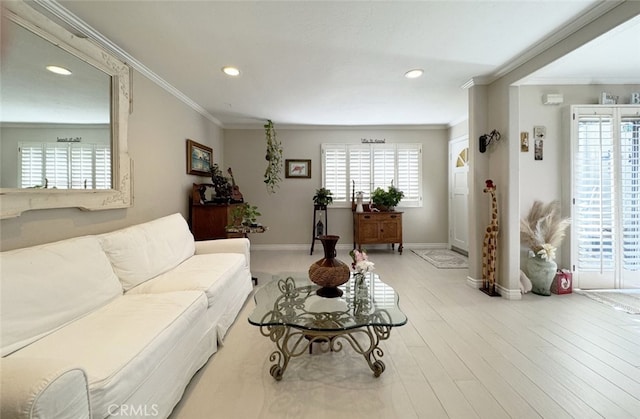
(490, 243)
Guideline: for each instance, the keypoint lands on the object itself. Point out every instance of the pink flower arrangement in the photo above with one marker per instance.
(361, 263)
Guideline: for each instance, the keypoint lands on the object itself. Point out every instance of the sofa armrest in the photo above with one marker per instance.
(42, 388)
(240, 245)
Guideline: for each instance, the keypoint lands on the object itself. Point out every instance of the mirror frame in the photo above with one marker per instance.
(14, 201)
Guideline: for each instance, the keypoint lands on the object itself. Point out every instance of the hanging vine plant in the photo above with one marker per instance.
(272, 176)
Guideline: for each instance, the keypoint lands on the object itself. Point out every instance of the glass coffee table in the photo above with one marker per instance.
(291, 314)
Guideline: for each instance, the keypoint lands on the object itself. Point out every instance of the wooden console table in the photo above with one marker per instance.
(377, 227)
(206, 219)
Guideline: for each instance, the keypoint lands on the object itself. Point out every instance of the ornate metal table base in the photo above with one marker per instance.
(294, 317)
(292, 342)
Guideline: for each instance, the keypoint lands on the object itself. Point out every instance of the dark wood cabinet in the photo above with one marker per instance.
(377, 227)
(208, 220)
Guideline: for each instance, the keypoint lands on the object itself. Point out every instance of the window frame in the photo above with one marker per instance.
(342, 193)
(72, 153)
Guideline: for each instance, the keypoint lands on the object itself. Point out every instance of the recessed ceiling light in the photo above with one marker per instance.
(58, 70)
(231, 71)
(414, 74)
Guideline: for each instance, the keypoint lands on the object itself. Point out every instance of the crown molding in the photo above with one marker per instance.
(86, 30)
(284, 126)
(477, 81)
(458, 120)
(598, 10)
(550, 81)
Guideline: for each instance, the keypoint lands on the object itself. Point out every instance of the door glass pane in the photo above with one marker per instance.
(630, 192)
(594, 194)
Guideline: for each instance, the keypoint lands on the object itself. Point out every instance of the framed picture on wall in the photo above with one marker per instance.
(296, 168)
(199, 159)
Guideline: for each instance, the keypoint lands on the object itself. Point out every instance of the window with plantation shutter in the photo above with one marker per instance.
(64, 165)
(606, 200)
(81, 166)
(56, 166)
(366, 167)
(334, 173)
(103, 167)
(31, 172)
(409, 172)
(360, 170)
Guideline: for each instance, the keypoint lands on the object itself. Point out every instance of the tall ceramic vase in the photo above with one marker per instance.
(329, 272)
(541, 273)
(359, 198)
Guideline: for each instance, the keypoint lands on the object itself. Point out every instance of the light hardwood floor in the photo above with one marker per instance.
(462, 354)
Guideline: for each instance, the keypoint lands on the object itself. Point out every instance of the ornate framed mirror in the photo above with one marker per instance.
(63, 138)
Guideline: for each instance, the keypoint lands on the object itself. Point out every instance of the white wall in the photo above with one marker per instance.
(158, 129)
(289, 212)
(478, 172)
(461, 129)
(497, 106)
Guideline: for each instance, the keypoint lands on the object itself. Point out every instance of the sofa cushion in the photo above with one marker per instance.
(39, 388)
(207, 273)
(143, 251)
(122, 343)
(47, 286)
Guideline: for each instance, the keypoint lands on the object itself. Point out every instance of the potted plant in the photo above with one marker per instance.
(245, 215)
(542, 230)
(221, 185)
(273, 156)
(323, 197)
(387, 200)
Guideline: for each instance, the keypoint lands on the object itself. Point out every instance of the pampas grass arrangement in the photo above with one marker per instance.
(543, 229)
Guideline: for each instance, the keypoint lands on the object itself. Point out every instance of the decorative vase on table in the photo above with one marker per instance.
(360, 290)
(329, 272)
(359, 198)
(541, 273)
(361, 301)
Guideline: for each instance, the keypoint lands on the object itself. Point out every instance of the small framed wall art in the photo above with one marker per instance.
(199, 159)
(297, 168)
(539, 135)
(524, 141)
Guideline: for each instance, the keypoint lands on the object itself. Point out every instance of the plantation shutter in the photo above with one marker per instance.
(64, 165)
(630, 191)
(56, 165)
(360, 169)
(31, 170)
(366, 167)
(594, 205)
(334, 173)
(606, 200)
(409, 173)
(384, 166)
(82, 166)
(103, 167)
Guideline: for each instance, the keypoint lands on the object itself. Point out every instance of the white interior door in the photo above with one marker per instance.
(459, 193)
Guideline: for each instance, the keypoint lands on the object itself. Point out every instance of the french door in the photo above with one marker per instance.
(606, 197)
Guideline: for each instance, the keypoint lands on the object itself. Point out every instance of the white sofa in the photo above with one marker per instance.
(115, 324)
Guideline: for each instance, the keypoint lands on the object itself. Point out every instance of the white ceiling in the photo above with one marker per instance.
(31, 94)
(342, 62)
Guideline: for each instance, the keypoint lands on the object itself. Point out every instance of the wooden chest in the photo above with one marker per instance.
(377, 227)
